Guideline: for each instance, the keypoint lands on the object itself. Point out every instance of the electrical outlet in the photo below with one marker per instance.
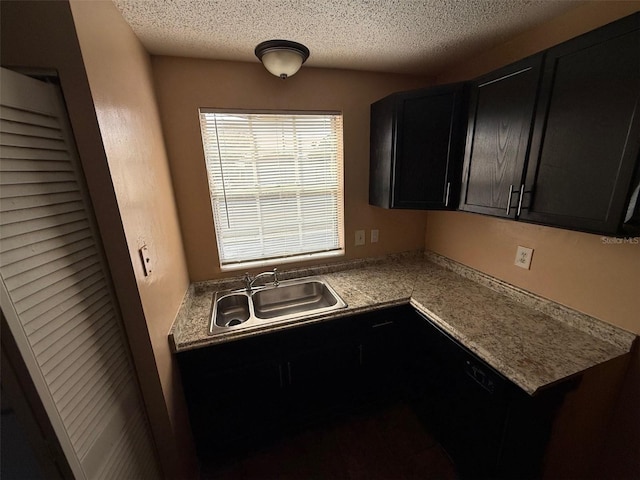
(359, 237)
(374, 235)
(523, 257)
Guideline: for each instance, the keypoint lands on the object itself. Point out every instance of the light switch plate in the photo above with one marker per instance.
(359, 237)
(374, 235)
(523, 257)
(145, 257)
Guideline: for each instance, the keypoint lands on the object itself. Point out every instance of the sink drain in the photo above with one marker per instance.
(233, 322)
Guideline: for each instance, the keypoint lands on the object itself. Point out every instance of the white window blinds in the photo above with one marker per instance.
(276, 183)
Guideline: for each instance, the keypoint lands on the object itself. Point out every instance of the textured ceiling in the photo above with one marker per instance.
(404, 36)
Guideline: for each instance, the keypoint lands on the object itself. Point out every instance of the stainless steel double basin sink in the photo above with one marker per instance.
(270, 304)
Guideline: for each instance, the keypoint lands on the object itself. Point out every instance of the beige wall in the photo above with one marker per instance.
(183, 85)
(579, 270)
(119, 73)
(576, 269)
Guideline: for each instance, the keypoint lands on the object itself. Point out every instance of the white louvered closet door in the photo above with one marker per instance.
(55, 291)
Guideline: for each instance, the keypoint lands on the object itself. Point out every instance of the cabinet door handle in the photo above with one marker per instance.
(520, 200)
(509, 199)
(446, 197)
(479, 376)
(382, 324)
(289, 372)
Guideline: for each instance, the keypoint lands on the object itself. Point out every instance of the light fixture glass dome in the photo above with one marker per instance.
(282, 58)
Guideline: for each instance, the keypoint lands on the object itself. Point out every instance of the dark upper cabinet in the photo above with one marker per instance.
(555, 138)
(587, 133)
(417, 141)
(501, 111)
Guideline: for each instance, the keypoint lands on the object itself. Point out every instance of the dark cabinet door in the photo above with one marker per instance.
(498, 133)
(462, 400)
(587, 131)
(222, 385)
(321, 367)
(383, 352)
(322, 379)
(416, 149)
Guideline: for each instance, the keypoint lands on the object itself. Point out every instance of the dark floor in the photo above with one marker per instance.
(385, 443)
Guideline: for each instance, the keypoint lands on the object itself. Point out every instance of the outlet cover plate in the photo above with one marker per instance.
(374, 235)
(523, 257)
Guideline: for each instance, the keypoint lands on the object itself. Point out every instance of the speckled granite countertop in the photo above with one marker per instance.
(530, 340)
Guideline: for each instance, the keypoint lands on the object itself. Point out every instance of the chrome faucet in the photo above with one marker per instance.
(249, 280)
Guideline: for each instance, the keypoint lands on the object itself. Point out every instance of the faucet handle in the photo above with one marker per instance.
(276, 282)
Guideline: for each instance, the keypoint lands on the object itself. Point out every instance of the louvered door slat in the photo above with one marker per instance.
(96, 370)
(20, 165)
(21, 203)
(37, 224)
(121, 464)
(68, 364)
(122, 468)
(81, 391)
(51, 296)
(21, 128)
(18, 153)
(51, 355)
(36, 177)
(25, 277)
(118, 465)
(35, 213)
(61, 312)
(44, 245)
(27, 117)
(25, 141)
(8, 191)
(48, 338)
(44, 286)
(83, 413)
(56, 289)
(97, 404)
(98, 410)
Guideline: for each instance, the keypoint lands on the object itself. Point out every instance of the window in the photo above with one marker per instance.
(276, 185)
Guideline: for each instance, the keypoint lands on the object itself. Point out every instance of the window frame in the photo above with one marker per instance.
(338, 251)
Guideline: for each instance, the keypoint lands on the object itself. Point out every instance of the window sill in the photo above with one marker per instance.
(281, 261)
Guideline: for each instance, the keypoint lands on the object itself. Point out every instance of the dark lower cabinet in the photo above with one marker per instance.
(234, 391)
(255, 389)
(489, 426)
(381, 343)
(249, 391)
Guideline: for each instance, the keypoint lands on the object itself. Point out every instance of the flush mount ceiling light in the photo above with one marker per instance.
(282, 58)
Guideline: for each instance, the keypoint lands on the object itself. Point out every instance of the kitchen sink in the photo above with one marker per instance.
(231, 310)
(289, 300)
